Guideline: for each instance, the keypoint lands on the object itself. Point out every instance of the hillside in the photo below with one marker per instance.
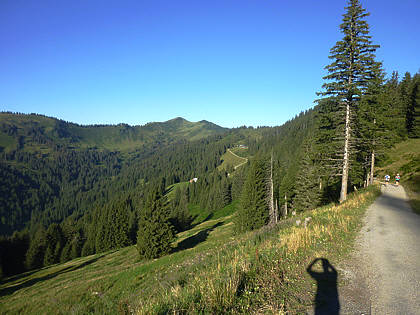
(210, 270)
(52, 169)
(36, 132)
(231, 160)
(111, 282)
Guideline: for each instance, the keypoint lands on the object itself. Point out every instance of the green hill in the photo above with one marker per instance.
(211, 270)
(36, 132)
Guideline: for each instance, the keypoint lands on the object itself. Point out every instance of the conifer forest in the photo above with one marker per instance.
(70, 190)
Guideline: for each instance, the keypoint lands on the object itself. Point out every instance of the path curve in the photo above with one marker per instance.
(384, 272)
(246, 160)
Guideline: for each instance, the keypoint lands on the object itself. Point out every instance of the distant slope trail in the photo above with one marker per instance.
(245, 159)
(384, 271)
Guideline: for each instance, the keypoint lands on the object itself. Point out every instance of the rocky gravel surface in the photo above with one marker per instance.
(382, 275)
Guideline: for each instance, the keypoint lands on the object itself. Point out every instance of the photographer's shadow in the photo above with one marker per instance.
(326, 299)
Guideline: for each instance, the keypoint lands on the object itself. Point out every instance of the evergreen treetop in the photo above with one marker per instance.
(354, 64)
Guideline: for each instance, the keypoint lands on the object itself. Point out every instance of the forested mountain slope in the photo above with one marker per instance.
(77, 190)
(57, 172)
(36, 132)
(50, 167)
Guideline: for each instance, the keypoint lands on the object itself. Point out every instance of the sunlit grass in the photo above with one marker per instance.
(230, 160)
(256, 272)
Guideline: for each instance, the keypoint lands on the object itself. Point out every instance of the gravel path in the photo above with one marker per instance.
(246, 160)
(383, 275)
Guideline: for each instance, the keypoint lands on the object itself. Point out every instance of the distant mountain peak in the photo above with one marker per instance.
(178, 119)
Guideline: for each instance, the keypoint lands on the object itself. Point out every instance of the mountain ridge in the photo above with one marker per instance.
(18, 130)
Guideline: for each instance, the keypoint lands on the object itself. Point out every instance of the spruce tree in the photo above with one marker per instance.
(253, 212)
(371, 133)
(36, 250)
(352, 69)
(155, 233)
(54, 244)
(308, 188)
(413, 112)
(120, 227)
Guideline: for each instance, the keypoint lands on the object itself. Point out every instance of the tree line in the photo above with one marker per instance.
(78, 202)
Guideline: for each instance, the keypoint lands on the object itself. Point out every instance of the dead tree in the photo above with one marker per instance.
(272, 211)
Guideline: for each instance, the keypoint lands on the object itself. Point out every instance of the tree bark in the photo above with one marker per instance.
(372, 160)
(271, 191)
(285, 205)
(276, 212)
(372, 167)
(345, 176)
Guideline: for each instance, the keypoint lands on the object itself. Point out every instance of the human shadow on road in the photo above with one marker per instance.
(326, 299)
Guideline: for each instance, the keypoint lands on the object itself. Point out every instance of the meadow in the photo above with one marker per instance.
(210, 270)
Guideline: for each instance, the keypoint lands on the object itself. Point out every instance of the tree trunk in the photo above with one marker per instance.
(285, 205)
(372, 166)
(271, 191)
(345, 175)
(372, 160)
(276, 211)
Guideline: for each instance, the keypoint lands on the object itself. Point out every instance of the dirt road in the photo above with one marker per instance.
(244, 162)
(384, 273)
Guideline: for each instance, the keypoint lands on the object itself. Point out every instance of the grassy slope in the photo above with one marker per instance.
(107, 283)
(212, 271)
(404, 158)
(230, 160)
(242, 152)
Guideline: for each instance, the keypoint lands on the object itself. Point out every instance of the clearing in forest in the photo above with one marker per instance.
(232, 160)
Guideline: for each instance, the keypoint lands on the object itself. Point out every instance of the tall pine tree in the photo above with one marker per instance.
(155, 233)
(253, 212)
(308, 188)
(352, 69)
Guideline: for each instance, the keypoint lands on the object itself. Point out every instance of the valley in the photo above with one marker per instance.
(288, 216)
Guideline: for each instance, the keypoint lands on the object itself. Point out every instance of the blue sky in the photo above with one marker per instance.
(230, 62)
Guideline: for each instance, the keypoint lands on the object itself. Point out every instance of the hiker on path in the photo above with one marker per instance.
(387, 178)
(397, 179)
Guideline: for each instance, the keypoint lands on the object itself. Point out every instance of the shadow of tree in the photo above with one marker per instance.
(208, 217)
(195, 239)
(13, 288)
(326, 299)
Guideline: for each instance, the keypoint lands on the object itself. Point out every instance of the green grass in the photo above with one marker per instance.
(109, 282)
(265, 271)
(170, 190)
(404, 159)
(242, 152)
(200, 215)
(230, 161)
(210, 271)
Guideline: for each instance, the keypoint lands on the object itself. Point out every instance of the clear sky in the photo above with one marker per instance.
(242, 62)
